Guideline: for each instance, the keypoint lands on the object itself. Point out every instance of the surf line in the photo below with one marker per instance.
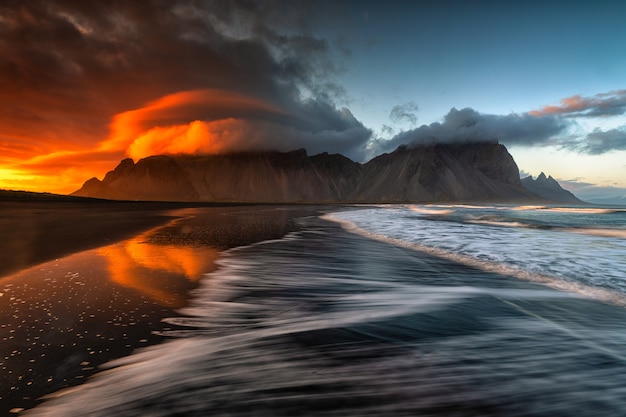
(585, 291)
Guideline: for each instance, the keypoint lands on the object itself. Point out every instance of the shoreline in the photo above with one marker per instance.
(37, 232)
(105, 293)
(310, 323)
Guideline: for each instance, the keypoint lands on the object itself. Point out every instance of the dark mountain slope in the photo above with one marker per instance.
(468, 172)
(550, 189)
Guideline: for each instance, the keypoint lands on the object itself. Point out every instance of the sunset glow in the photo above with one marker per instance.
(169, 125)
(85, 86)
(162, 120)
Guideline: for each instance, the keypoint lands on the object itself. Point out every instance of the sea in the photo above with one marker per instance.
(392, 310)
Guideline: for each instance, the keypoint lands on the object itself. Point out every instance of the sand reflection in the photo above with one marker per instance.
(147, 267)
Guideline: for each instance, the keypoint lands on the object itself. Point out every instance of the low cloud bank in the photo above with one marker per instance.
(467, 126)
(550, 126)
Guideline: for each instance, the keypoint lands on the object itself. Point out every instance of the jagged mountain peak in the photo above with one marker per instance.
(550, 189)
(442, 172)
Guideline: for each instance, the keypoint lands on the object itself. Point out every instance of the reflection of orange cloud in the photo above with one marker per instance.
(148, 268)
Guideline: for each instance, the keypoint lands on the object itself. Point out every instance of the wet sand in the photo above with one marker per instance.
(82, 284)
(35, 231)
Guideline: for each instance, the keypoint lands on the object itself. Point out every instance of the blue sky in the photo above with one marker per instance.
(91, 81)
(497, 58)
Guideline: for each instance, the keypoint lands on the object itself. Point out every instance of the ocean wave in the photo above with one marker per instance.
(583, 210)
(328, 323)
(568, 210)
(525, 208)
(501, 223)
(431, 211)
(479, 262)
(615, 233)
(601, 232)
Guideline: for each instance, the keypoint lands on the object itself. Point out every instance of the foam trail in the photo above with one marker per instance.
(616, 233)
(327, 322)
(430, 211)
(605, 295)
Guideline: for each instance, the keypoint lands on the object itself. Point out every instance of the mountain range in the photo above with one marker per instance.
(428, 173)
(549, 188)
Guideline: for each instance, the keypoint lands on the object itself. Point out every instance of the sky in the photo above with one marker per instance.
(86, 83)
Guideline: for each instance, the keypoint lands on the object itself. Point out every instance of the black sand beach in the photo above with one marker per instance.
(82, 283)
(311, 320)
(328, 322)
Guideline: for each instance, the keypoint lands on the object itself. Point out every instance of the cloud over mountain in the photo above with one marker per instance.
(467, 125)
(90, 80)
(550, 126)
(133, 77)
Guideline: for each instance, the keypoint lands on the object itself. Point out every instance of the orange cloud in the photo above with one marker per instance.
(195, 137)
(184, 122)
(604, 104)
(568, 105)
(198, 121)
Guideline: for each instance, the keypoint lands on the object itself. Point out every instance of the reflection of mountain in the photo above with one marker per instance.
(468, 172)
(148, 268)
(550, 189)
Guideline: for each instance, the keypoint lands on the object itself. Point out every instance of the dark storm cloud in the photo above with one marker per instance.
(468, 125)
(404, 113)
(611, 103)
(68, 67)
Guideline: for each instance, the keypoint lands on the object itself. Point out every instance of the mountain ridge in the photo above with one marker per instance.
(482, 171)
(550, 189)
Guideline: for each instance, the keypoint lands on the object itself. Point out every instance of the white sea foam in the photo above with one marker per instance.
(430, 211)
(615, 233)
(536, 255)
(499, 223)
(329, 323)
(582, 210)
(525, 208)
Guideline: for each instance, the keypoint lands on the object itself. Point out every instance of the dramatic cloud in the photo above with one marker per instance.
(552, 126)
(85, 83)
(604, 104)
(468, 125)
(181, 111)
(122, 77)
(215, 121)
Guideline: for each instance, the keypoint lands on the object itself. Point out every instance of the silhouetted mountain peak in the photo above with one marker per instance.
(550, 189)
(442, 172)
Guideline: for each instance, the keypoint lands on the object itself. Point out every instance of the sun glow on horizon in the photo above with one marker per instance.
(187, 122)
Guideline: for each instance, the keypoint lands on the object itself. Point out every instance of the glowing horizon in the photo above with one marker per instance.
(85, 87)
